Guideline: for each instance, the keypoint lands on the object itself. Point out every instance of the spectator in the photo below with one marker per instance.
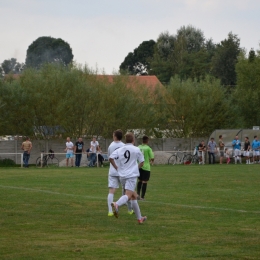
(78, 150)
(237, 149)
(221, 146)
(93, 149)
(201, 152)
(69, 152)
(212, 148)
(255, 148)
(227, 153)
(246, 150)
(100, 157)
(26, 147)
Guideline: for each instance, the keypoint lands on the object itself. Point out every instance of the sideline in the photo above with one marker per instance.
(146, 201)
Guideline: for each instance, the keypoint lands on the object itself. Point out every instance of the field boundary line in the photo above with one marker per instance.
(146, 201)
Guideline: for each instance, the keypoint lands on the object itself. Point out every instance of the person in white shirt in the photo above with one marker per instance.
(113, 176)
(69, 152)
(128, 170)
(93, 149)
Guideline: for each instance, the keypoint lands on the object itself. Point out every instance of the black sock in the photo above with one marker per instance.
(143, 189)
(139, 185)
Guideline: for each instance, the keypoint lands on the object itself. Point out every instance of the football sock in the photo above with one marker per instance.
(143, 189)
(110, 199)
(122, 200)
(129, 205)
(136, 209)
(139, 185)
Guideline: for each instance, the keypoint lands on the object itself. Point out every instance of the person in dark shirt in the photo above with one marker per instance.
(78, 150)
(246, 150)
(201, 152)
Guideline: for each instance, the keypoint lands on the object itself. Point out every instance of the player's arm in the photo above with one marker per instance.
(112, 158)
(151, 155)
(30, 148)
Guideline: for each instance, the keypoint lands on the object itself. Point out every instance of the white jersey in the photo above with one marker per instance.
(69, 146)
(93, 146)
(126, 159)
(112, 147)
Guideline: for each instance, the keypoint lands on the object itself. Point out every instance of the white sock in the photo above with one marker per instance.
(129, 205)
(122, 200)
(136, 209)
(110, 199)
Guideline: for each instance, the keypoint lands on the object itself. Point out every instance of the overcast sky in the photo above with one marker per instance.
(101, 33)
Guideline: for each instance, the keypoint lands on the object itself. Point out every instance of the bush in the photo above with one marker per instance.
(7, 163)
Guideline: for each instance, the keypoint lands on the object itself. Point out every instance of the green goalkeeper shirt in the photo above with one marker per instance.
(148, 155)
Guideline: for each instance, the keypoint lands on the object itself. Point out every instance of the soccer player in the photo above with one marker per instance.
(113, 177)
(237, 149)
(246, 150)
(128, 169)
(255, 148)
(145, 170)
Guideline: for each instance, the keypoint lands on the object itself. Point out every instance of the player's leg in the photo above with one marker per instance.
(113, 184)
(146, 177)
(67, 160)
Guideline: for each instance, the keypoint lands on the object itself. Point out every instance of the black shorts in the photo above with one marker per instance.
(144, 175)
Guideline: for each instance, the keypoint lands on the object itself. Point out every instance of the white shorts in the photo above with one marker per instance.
(129, 184)
(237, 152)
(246, 153)
(113, 182)
(256, 153)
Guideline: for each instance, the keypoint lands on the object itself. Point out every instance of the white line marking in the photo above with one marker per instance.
(146, 201)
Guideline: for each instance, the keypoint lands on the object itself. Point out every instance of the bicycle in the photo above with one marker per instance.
(48, 160)
(180, 158)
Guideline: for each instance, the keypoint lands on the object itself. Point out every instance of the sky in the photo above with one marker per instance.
(101, 33)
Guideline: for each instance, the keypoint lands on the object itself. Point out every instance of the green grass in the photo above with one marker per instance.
(194, 212)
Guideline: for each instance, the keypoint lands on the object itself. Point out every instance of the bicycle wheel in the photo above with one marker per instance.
(187, 160)
(53, 162)
(38, 162)
(172, 160)
(195, 159)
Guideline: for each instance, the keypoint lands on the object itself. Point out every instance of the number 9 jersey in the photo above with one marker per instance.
(127, 159)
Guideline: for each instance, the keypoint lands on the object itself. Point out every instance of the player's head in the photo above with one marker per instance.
(27, 138)
(118, 135)
(220, 136)
(129, 138)
(246, 138)
(236, 137)
(145, 139)
(255, 137)
(68, 139)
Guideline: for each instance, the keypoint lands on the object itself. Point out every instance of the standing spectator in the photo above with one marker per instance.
(255, 148)
(212, 148)
(93, 149)
(128, 169)
(246, 150)
(69, 152)
(201, 152)
(221, 146)
(237, 149)
(78, 150)
(100, 157)
(145, 170)
(227, 153)
(26, 147)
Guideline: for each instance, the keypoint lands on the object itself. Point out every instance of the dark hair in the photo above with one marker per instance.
(220, 136)
(211, 138)
(255, 136)
(129, 138)
(246, 137)
(145, 139)
(118, 134)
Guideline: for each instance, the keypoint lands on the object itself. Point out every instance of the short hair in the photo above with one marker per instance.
(246, 137)
(211, 138)
(145, 139)
(255, 136)
(220, 136)
(129, 138)
(118, 134)
(27, 138)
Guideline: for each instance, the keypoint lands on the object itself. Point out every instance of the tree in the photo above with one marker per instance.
(48, 50)
(11, 66)
(142, 54)
(225, 59)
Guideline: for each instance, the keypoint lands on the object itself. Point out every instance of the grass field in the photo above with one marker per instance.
(194, 212)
